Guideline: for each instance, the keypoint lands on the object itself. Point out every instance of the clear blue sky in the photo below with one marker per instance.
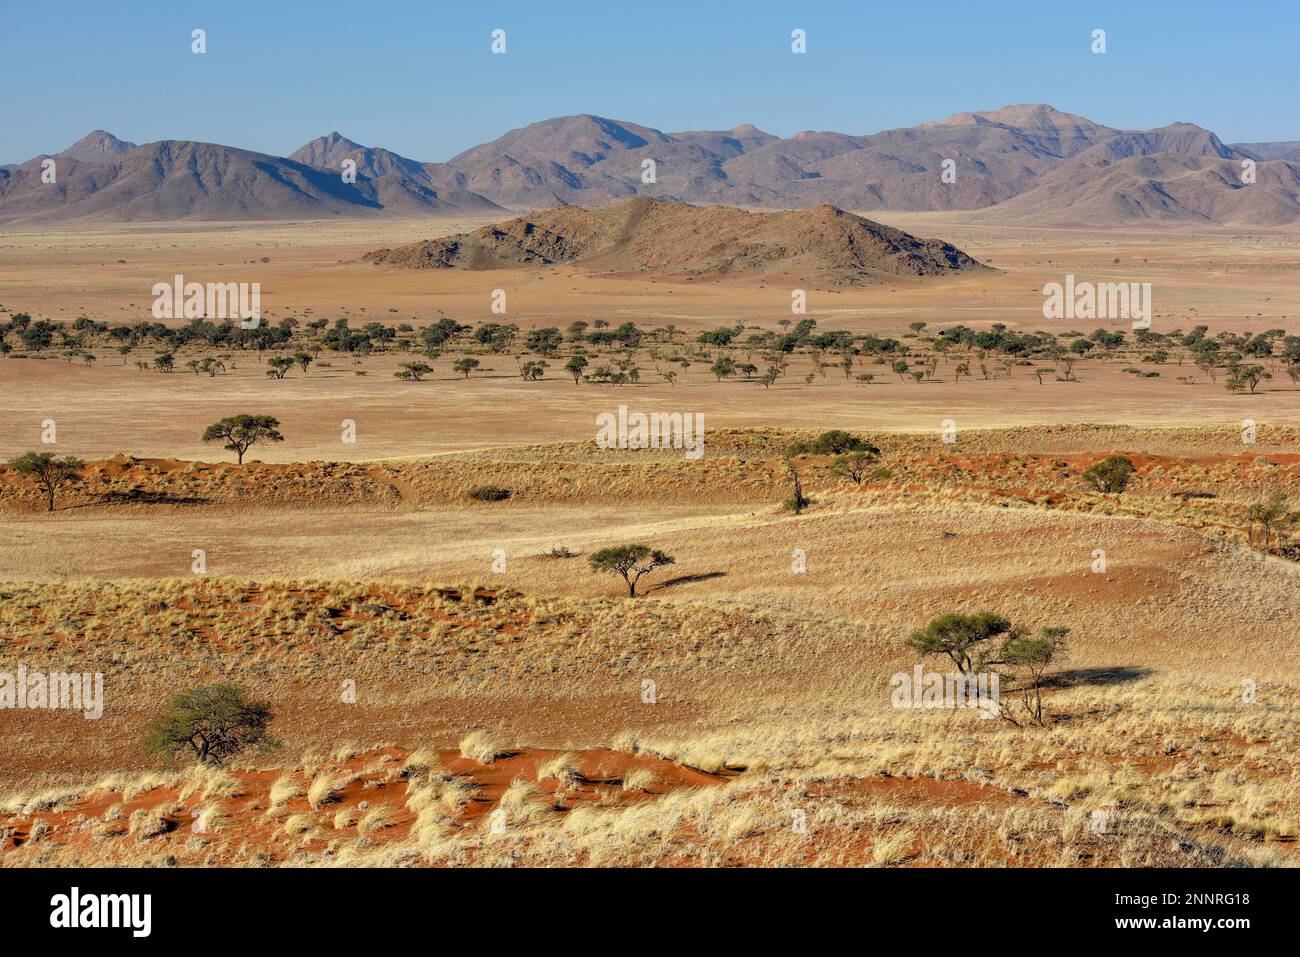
(418, 77)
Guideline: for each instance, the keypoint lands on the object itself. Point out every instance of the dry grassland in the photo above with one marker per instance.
(739, 712)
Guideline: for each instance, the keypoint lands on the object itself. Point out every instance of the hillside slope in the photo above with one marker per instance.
(689, 242)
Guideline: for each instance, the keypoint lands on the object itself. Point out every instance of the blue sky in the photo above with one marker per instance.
(418, 77)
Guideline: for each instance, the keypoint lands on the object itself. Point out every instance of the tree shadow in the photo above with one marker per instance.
(1116, 675)
(139, 496)
(685, 580)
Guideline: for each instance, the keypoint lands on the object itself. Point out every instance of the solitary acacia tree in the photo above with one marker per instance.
(47, 470)
(631, 562)
(210, 723)
(465, 366)
(241, 432)
(962, 638)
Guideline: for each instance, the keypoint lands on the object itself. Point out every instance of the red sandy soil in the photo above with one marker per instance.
(249, 823)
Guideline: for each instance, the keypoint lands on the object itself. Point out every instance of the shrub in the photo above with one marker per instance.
(1111, 474)
(489, 493)
(854, 465)
(210, 723)
(834, 442)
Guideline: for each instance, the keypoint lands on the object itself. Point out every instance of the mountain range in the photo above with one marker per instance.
(1020, 164)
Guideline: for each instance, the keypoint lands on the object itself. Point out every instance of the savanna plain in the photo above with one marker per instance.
(406, 577)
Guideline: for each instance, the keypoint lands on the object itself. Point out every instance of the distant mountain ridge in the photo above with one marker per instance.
(993, 157)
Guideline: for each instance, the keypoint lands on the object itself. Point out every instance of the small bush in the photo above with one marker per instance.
(1111, 474)
(489, 493)
(834, 442)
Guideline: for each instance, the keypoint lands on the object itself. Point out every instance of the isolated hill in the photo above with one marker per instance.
(1059, 158)
(683, 242)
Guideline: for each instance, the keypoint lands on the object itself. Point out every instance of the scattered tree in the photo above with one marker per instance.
(576, 364)
(834, 442)
(48, 471)
(413, 371)
(241, 432)
(1030, 656)
(1271, 516)
(797, 501)
(854, 465)
(629, 561)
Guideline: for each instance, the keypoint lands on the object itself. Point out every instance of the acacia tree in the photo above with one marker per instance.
(962, 638)
(834, 442)
(413, 371)
(1111, 474)
(47, 470)
(629, 561)
(1032, 655)
(854, 465)
(242, 432)
(1273, 515)
(210, 723)
(465, 366)
(574, 367)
